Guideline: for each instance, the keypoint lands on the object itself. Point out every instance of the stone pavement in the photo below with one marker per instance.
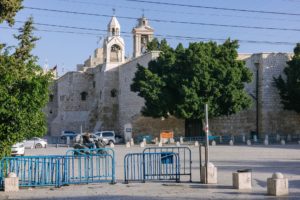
(263, 160)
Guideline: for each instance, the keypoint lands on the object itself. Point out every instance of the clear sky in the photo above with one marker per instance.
(67, 47)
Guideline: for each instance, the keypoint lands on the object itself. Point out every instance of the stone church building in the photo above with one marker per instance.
(97, 96)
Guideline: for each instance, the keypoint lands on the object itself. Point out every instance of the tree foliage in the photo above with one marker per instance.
(182, 80)
(23, 92)
(289, 88)
(8, 10)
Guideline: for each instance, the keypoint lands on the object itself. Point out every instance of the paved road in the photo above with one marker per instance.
(263, 160)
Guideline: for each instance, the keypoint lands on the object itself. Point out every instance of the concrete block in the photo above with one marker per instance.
(177, 144)
(11, 183)
(196, 144)
(231, 142)
(160, 144)
(242, 180)
(277, 185)
(212, 174)
(142, 144)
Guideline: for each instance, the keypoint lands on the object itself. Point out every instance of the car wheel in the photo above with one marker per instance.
(38, 146)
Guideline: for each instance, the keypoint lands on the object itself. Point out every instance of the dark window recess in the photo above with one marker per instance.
(51, 97)
(83, 96)
(113, 93)
(94, 84)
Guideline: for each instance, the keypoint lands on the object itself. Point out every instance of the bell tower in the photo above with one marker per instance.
(142, 34)
(114, 46)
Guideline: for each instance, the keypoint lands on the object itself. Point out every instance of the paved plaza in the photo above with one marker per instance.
(263, 160)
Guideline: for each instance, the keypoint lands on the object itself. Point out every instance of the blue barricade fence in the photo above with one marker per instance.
(151, 166)
(90, 166)
(58, 170)
(184, 154)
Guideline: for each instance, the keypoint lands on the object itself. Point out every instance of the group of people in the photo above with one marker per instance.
(87, 141)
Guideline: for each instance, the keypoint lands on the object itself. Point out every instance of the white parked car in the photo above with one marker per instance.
(18, 149)
(35, 142)
(107, 136)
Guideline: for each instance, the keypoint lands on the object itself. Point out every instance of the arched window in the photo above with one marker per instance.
(83, 96)
(115, 53)
(113, 32)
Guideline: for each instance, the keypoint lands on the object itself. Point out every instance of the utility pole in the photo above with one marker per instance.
(207, 144)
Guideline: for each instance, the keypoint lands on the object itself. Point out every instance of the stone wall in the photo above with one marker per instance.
(72, 111)
(267, 116)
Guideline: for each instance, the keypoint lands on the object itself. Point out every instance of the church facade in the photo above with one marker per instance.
(97, 96)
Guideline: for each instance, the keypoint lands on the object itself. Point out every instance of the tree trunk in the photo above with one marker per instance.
(193, 128)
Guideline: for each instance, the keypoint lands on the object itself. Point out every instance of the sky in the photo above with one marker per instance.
(259, 25)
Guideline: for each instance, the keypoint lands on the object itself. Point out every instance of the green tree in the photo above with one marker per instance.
(23, 92)
(8, 10)
(182, 80)
(289, 88)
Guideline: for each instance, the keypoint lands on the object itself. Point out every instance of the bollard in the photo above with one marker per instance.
(282, 142)
(231, 142)
(213, 143)
(156, 141)
(127, 144)
(298, 141)
(221, 139)
(160, 144)
(145, 141)
(255, 138)
(277, 137)
(131, 142)
(112, 145)
(196, 144)
(249, 142)
(277, 185)
(289, 138)
(266, 142)
(244, 138)
(172, 141)
(11, 183)
(242, 179)
(181, 140)
(178, 144)
(212, 177)
(142, 144)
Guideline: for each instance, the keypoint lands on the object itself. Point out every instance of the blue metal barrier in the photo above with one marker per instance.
(90, 166)
(184, 154)
(151, 166)
(94, 166)
(33, 170)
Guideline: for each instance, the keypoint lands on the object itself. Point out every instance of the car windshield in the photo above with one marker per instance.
(107, 134)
